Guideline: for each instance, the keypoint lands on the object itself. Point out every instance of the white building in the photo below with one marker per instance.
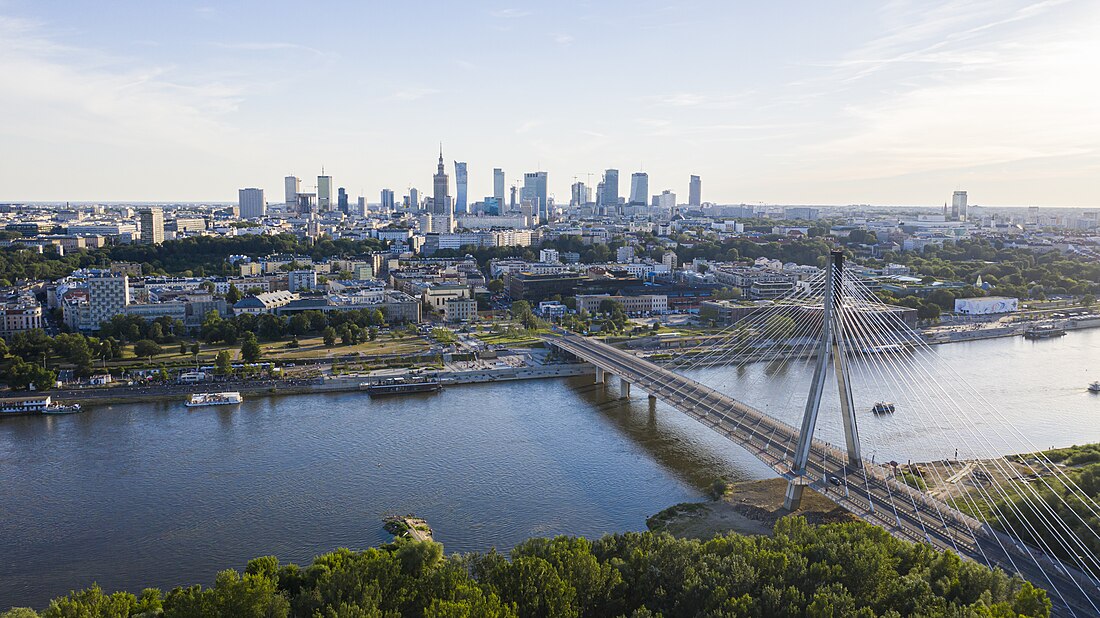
(460, 310)
(251, 203)
(666, 201)
(550, 256)
(624, 255)
(301, 280)
(986, 305)
(649, 303)
(107, 297)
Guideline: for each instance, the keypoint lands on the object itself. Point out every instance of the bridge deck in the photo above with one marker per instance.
(867, 491)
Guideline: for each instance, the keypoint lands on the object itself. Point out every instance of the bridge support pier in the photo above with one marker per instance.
(793, 497)
(600, 376)
(624, 389)
(652, 400)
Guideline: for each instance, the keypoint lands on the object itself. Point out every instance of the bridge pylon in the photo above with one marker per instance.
(830, 348)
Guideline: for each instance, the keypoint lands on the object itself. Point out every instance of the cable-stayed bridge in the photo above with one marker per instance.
(839, 323)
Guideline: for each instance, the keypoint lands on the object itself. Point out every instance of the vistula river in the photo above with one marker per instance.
(160, 495)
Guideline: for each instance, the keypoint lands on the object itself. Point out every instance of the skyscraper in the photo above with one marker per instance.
(578, 194)
(460, 186)
(639, 188)
(414, 199)
(251, 203)
(534, 189)
(324, 192)
(342, 200)
(442, 210)
(609, 198)
(695, 192)
(387, 200)
(498, 185)
(291, 186)
(958, 206)
(152, 226)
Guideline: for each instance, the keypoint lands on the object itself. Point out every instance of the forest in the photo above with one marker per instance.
(838, 570)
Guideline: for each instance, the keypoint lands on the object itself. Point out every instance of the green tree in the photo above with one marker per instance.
(223, 363)
(495, 286)
(250, 349)
(147, 348)
(779, 327)
(329, 336)
(233, 295)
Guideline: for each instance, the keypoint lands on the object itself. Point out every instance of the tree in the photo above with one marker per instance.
(329, 336)
(1088, 300)
(183, 348)
(250, 349)
(520, 310)
(223, 364)
(147, 348)
(233, 295)
(22, 374)
(496, 286)
(195, 349)
(779, 327)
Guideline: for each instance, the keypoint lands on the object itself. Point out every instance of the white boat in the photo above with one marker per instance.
(1095, 387)
(59, 408)
(231, 398)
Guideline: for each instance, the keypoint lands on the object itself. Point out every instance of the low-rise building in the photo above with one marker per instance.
(267, 302)
(644, 303)
(460, 310)
(19, 312)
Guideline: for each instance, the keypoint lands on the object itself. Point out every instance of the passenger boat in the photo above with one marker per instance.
(231, 398)
(1094, 387)
(883, 407)
(401, 386)
(1044, 332)
(59, 408)
(39, 404)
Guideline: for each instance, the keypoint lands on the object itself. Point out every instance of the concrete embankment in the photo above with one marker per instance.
(270, 388)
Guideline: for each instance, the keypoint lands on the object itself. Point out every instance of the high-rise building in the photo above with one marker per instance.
(412, 200)
(387, 200)
(666, 201)
(512, 199)
(361, 206)
(534, 189)
(695, 192)
(107, 297)
(639, 188)
(251, 202)
(460, 187)
(152, 226)
(609, 197)
(498, 185)
(1032, 215)
(291, 186)
(958, 206)
(342, 200)
(324, 192)
(579, 194)
(442, 209)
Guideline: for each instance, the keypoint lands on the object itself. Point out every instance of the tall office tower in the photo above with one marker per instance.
(460, 187)
(1033, 215)
(251, 203)
(361, 206)
(534, 189)
(291, 186)
(958, 206)
(498, 185)
(442, 210)
(512, 201)
(414, 199)
(578, 194)
(342, 200)
(695, 192)
(324, 192)
(152, 226)
(387, 200)
(639, 188)
(610, 196)
(599, 198)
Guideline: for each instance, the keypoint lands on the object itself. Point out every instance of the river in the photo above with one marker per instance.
(160, 495)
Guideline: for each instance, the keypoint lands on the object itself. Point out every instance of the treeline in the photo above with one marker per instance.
(197, 255)
(353, 324)
(849, 569)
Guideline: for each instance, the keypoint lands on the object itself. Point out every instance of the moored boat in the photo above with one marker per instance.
(1044, 332)
(59, 408)
(214, 399)
(401, 386)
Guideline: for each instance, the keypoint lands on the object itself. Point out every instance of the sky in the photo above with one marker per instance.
(783, 102)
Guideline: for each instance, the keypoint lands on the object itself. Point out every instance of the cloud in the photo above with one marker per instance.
(509, 13)
(696, 100)
(529, 126)
(271, 46)
(412, 94)
(562, 39)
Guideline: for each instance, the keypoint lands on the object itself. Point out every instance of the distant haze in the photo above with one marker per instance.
(789, 102)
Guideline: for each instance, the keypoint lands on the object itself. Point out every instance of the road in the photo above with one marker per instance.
(869, 491)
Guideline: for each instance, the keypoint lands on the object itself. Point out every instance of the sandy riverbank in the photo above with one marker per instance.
(748, 508)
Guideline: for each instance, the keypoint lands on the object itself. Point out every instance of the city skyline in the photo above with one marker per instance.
(767, 104)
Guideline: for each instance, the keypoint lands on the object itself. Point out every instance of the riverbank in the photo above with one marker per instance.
(273, 388)
(751, 507)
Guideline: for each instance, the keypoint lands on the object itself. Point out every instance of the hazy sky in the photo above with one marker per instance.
(777, 102)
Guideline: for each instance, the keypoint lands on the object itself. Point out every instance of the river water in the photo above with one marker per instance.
(161, 495)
